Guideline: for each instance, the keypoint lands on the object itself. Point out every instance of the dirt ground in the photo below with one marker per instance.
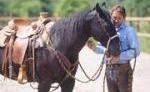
(90, 61)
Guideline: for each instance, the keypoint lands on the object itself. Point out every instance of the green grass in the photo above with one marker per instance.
(145, 44)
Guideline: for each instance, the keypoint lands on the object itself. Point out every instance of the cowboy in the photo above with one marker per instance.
(118, 68)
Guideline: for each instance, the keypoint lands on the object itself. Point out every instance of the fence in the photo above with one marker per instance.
(138, 23)
(136, 20)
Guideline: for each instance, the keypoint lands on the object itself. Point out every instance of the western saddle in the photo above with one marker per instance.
(21, 32)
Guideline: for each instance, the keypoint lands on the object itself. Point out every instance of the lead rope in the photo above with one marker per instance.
(101, 66)
(98, 71)
(107, 47)
(69, 73)
(131, 73)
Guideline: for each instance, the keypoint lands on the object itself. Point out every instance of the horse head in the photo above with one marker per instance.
(102, 29)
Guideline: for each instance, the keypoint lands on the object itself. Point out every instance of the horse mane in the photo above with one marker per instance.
(72, 27)
(74, 21)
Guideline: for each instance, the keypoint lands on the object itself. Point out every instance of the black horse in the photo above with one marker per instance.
(67, 38)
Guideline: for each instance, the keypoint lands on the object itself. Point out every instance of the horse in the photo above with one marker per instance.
(67, 37)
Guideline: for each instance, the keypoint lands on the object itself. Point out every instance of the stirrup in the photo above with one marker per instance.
(22, 77)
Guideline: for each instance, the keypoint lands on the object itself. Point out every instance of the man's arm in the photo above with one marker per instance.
(134, 48)
(100, 49)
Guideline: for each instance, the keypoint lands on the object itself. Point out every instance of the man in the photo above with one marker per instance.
(118, 69)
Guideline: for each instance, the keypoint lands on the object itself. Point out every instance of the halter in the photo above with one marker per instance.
(110, 39)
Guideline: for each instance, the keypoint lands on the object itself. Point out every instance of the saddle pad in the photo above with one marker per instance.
(19, 50)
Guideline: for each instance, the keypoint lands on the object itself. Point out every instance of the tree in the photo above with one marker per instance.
(67, 7)
(25, 8)
(137, 7)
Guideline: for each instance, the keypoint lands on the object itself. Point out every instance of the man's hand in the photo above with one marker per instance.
(91, 44)
(112, 59)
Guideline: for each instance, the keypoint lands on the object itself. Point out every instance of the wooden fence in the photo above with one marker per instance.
(136, 20)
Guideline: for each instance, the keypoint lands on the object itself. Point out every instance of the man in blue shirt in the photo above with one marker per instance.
(118, 69)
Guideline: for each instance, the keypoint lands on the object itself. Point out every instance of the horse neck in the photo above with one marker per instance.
(72, 38)
(81, 39)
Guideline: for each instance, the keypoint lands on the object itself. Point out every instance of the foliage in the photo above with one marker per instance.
(62, 8)
(145, 44)
(137, 7)
(67, 7)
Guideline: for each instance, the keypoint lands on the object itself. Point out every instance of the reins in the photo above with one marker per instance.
(94, 76)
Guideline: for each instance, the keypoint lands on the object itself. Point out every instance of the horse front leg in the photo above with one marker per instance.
(68, 85)
(44, 86)
(44, 81)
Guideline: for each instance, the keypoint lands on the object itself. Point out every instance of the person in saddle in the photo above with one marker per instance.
(118, 69)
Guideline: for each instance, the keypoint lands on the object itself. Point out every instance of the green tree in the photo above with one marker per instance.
(24, 8)
(67, 7)
(137, 7)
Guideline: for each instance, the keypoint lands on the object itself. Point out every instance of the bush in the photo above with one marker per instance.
(145, 44)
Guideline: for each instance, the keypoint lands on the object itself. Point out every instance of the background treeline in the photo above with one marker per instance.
(61, 8)
(64, 8)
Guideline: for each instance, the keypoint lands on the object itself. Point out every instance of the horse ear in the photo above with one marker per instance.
(97, 6)
(90, 15)
(98, 9)
(104, 4)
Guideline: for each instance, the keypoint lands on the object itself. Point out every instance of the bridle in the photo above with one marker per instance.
(110, 39)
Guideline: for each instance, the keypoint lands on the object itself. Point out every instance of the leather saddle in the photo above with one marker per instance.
(21, 31)
(24, 32)
(20, 43)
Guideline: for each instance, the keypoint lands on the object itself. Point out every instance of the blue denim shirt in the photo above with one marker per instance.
(129, 43)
